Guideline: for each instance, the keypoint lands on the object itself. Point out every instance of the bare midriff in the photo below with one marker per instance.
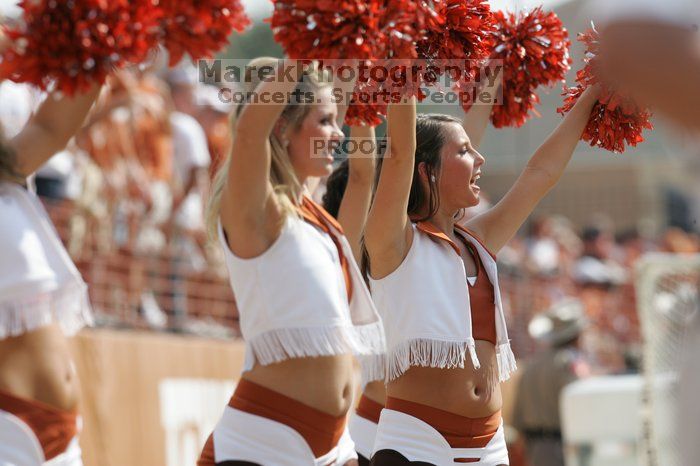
(376, 391)
(468, 392)
(324, 383)
(38, 365)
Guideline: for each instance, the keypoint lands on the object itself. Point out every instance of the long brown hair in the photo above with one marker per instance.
(430, 138)
(422, 204)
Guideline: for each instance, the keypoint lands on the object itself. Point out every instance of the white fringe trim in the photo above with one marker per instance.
(430, 353)
(373, 367)
(68, 306)
(506, 362)
(287, 343)
(370, 339)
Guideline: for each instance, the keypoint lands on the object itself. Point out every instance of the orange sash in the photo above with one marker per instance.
(481, 295)
(369, 409)
(54, 428)
(459, 431)
(317, 216)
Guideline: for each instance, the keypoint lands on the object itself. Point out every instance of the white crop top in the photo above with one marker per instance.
(425, 307)
(293, 301)
(39, 284)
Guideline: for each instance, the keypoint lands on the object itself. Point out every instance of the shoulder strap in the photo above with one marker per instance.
(475, 237)
(319, 217)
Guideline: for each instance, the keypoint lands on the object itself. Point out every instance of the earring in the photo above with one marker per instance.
(432, 178)
(285, 143)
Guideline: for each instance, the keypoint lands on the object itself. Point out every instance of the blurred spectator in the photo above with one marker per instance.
(596, 266)
(543, 256)
(129, 138)
(512, 257)
(677, 241)
(191, 162)
(153, 146)
(183, 82)
(570, 244)
(90, 219)
(632, 246)
(188, 231)
(214, 116)
(536, 413)
(190, 152)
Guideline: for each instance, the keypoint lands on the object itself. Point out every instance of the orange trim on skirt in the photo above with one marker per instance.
(54, 428)
(369, 409)
(459, 431)
(321, 431)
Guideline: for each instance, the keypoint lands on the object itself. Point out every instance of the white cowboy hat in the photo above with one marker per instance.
(560, 323)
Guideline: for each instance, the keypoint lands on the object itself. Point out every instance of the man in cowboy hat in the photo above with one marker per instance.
(536, 414)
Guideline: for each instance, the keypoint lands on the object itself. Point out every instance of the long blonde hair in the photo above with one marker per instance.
(285, 183)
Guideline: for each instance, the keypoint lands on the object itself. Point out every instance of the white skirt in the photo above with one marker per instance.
(419, 441)
(363, 432)
(19, 446)
(243, 436)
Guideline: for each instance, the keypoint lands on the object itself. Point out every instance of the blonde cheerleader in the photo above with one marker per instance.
(305, 312)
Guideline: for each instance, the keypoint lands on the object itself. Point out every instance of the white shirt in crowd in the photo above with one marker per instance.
(189, 144)
(190, 151)
(543, 254)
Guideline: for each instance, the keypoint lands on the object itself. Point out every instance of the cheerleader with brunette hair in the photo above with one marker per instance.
(363, 423)
(435, 284)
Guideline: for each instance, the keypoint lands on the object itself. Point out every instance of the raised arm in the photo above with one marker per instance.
(388, 230)
(498, 225)
(49, 130)
(354, 207)
(342, 89)
(476, 120)
(249, 212)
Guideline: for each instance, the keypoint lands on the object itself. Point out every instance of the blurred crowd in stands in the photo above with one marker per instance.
(128, 198)
(552, 260)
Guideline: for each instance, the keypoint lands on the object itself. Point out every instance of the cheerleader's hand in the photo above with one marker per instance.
(592, 93)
